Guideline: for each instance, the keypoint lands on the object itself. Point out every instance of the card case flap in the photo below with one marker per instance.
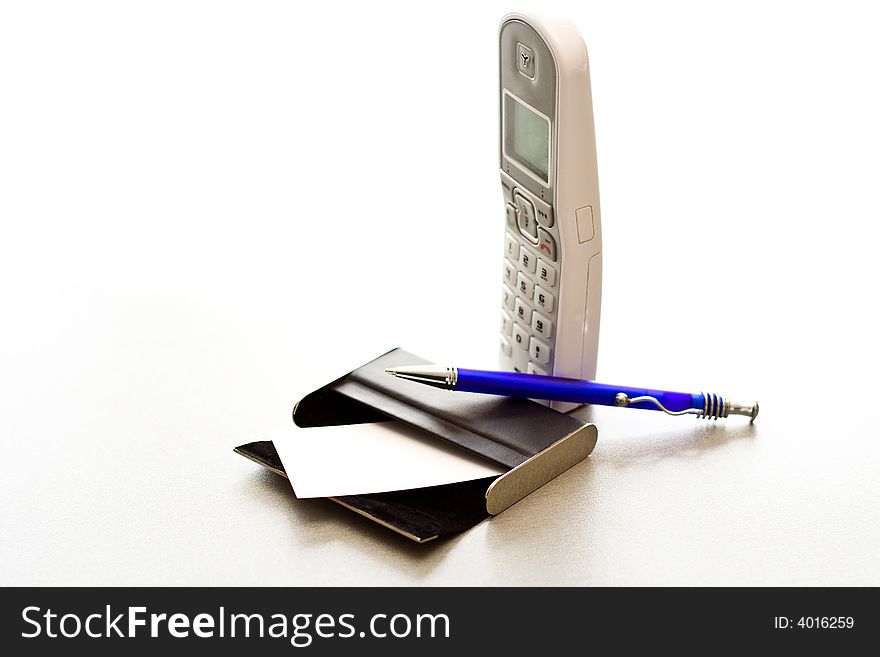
(505, 430)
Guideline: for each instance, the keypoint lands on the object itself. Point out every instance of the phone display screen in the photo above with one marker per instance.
(528, 137)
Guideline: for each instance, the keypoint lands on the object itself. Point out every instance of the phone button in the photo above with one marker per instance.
(507, 297)
(543, 299)
(527, 260)
(546, 244)
(544, 214)
(584, 219)
(511, 246)
(510, 212)
(506, 349)
(525, 61)
(524, 286)
(528, 223)
(507, 188)
(520, 337)
(546, 273)
(534, 369)
(541, 325)
(506, 325)
(539, 351)
(521, 312)
(509, 272)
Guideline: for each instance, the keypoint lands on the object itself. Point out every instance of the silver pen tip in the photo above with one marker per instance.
(432, 375)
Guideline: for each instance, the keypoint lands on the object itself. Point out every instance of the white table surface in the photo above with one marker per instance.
(193, 237)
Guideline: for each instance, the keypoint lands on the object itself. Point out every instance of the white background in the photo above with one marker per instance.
(209, 209)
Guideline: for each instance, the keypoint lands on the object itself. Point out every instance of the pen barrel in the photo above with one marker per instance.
(531, 386)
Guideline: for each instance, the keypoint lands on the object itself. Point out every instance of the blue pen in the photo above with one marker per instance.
(534, 386)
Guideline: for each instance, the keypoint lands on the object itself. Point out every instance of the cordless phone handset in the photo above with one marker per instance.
(551, 292)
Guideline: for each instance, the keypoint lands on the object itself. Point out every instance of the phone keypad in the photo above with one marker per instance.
(531, 284)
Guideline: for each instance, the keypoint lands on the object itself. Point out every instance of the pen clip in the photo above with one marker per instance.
(622, 399)
(714, 406)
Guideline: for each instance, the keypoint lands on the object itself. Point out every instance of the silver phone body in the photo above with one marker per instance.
(552, 272)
